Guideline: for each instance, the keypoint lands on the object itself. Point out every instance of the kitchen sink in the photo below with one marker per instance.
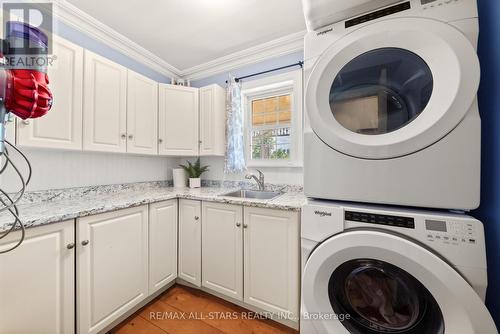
(258, 194)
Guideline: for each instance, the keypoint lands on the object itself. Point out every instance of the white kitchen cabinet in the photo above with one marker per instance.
(178, 120)
(212, 120)
(61, 127)
(142, 114)
(37, 281)
(222, 249)
(271, 260)
(162, 244)
(190, 241)
(105, 105)
(112, 266)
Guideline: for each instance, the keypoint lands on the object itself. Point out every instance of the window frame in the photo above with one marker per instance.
(276, 85)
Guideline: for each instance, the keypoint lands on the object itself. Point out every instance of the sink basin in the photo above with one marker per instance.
(253, 194)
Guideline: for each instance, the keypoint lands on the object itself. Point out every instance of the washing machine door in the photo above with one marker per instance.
(371, 282)
(392, 88)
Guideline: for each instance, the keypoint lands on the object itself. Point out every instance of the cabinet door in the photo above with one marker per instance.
(212, 120)
(142, 114)
(112, 266)
(162, 244)
(178, 117)
(190, 241)
(222, 249)
(104, 107)
(61, 128)
(271, 259)
(37, 293)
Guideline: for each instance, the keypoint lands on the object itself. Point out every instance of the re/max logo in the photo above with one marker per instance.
(322, 213)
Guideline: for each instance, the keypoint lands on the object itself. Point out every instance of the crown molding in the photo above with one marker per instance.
(78, 19)
(275, 48)
(81, 21)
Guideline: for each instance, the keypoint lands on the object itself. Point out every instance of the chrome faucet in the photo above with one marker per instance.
(259, 180)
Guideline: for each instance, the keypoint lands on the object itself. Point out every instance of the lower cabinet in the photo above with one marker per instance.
(122, 257)
(272, 260)
(190, 241)
(252, 255)
(112, 266)
(222, 247)
(162, 244)
(37, 281)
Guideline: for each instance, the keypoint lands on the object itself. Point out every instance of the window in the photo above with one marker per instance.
(273, 120)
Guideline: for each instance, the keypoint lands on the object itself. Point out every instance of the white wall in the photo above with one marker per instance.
(272, 175)
(54, 169)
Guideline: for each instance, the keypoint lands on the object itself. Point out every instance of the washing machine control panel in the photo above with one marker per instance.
(379, 219)
(429, 4)
(450, 232)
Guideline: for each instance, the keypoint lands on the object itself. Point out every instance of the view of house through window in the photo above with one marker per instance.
(271, 127)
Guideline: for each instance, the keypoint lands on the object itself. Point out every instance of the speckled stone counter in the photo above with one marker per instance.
(40, 208)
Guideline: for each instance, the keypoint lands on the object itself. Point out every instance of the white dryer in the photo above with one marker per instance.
(374, 270)
(392, 116)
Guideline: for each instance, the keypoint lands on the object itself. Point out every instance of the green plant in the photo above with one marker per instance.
(194, 170)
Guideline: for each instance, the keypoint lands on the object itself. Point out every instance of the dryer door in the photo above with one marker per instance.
(392, 88)
(371, 282)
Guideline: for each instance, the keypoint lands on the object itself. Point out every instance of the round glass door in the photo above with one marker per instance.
(391, 88)
(381, 91)
(382, 298)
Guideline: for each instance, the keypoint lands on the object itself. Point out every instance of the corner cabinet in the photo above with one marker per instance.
(112, 266)
(162, 244)
(272, 260)
(37, 281)
(190, 241)
(142, 114)
(61, 128)
(212, 120)
(178, 120)
(105, 105)
(222, 247)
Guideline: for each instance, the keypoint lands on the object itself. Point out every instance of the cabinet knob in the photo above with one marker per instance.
(199, 141)
(124, 136)
(70, 246)
(245, 225)
(26, 122)
(160, 141)
(130, 137)
(85, 242)
(196, 218)
(238, 224)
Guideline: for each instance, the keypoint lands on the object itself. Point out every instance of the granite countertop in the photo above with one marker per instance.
(56, 206)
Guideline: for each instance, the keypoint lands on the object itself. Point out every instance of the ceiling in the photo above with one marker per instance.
(188, 33)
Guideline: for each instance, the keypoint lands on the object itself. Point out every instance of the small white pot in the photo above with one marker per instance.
(194, 182)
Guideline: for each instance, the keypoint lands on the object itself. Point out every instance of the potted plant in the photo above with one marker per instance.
(194, 172)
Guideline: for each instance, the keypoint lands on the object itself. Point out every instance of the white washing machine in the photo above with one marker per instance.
(373, 270)
(392, 116)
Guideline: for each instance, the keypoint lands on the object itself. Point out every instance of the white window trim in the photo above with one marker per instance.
(285, 83)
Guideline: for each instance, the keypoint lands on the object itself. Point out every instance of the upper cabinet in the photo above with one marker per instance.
(104, 108)
(212, 120)
(178, 117)
(142, 114)
(100, 105)
(62, 127)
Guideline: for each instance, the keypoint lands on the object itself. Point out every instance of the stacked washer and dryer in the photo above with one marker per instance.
(391, 163)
